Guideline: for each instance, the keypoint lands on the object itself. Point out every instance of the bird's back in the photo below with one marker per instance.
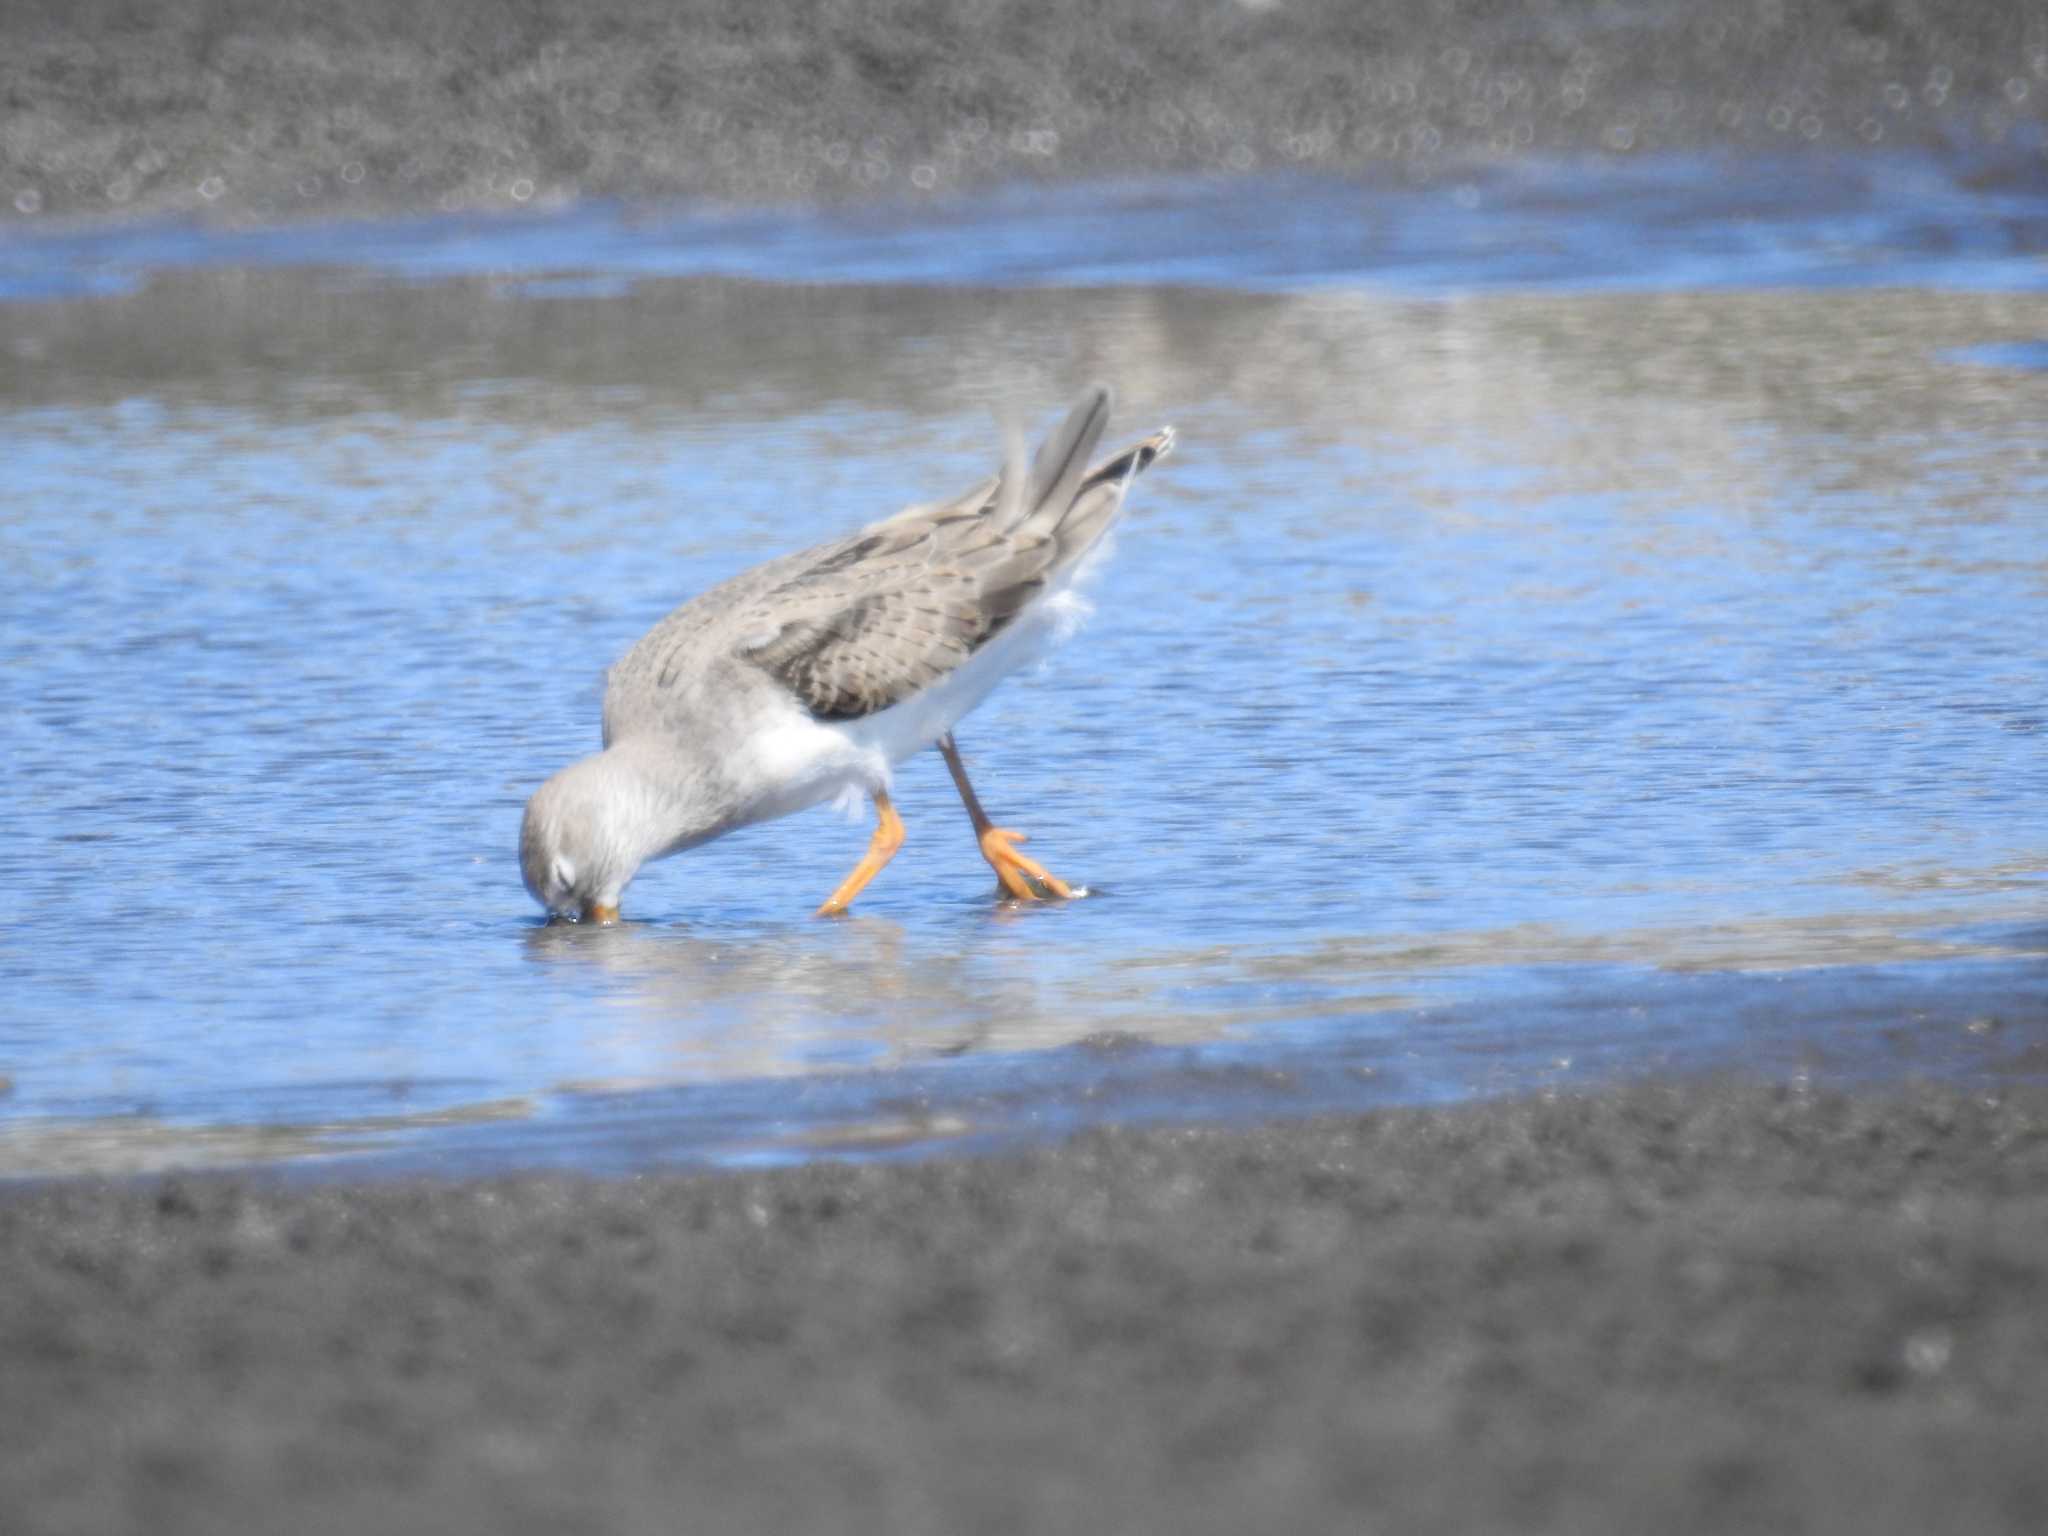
(859, 623)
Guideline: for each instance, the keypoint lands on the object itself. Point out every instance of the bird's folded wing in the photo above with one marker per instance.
(876, 617)
(860, 624)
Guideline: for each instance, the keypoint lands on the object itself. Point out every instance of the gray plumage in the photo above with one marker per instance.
(815, 672)
(855, 625)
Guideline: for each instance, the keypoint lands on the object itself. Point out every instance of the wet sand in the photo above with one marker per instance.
(1673, 1308)
(253, 111)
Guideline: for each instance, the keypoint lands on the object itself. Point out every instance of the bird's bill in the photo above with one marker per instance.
(598, 912)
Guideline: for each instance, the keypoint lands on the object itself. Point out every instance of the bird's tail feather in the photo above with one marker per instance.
(1048, 489)
(1101, 495)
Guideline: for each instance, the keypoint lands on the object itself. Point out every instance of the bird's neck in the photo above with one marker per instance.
(660, 798)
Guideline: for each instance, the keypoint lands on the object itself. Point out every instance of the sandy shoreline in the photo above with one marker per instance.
(1702, 1307)
(248, 111)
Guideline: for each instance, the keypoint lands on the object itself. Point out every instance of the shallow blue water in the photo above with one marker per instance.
(1664, 222)
(1595, 624)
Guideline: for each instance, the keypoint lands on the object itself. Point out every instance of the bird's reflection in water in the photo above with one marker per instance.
(805, 997)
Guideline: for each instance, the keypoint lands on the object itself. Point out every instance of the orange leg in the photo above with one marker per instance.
(888, 838)
(1018, 876)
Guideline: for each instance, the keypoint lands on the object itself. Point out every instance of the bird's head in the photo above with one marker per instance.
(577, 847)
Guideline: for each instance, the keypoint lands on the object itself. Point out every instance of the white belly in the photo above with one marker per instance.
(803, 762)
(904, 729)
(809, 761)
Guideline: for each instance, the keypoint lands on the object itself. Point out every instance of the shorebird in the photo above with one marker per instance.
(811, 677)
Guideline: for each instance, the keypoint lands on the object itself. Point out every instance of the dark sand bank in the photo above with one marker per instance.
(1692, 1308)
(253, 109)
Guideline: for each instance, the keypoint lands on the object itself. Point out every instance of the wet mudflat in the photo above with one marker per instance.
(1680, 1308)
(255, 113)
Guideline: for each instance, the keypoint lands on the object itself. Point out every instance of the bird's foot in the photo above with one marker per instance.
(1018, 876)
(881, 849)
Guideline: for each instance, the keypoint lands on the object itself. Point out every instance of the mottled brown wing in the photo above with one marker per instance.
(890, 611)
(865, 622)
